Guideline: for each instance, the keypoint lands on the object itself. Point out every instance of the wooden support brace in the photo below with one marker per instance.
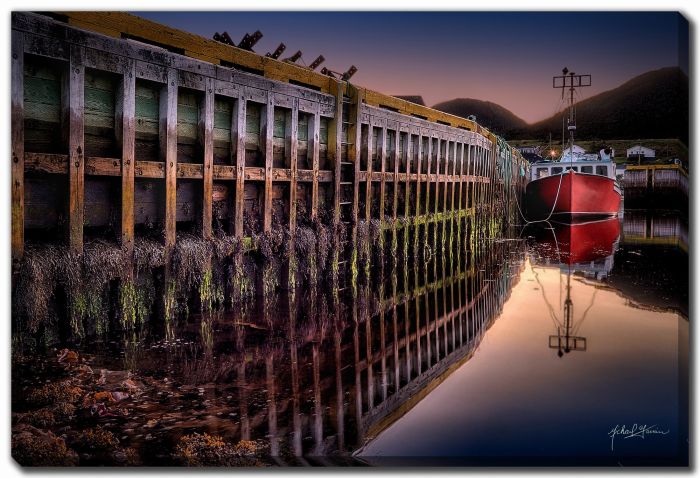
(126, 124)
(267, 119)
(314, 135)
(168, 154)
(395, 189)
(368, 180)
(419, 163)
(408, 154)
(206, 134)
(335, 134)
(76, 148)
(355, 152)
(382, 159)
(17, 125)
(238, 152)
(291, 151)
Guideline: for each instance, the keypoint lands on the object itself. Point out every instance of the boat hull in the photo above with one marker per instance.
(580, 196)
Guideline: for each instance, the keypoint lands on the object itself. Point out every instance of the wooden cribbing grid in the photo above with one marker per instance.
(189, 125)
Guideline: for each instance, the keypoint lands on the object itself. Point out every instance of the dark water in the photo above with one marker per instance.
(526, 349)
(530, 395)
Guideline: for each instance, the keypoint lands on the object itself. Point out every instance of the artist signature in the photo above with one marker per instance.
(635, 431)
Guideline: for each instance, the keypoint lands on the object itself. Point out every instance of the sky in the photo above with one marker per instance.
(508, 58)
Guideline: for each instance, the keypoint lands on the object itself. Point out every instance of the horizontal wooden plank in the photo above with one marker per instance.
(96, 166)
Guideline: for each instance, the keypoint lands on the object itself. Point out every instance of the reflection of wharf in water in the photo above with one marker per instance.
(643, 228)
(329, 383)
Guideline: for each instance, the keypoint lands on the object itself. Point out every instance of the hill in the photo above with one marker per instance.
(652, 105)
(493, 116)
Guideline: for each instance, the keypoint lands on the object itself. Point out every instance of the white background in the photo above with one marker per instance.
(689, 8)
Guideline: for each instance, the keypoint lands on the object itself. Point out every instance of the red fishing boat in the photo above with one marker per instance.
(578, 184)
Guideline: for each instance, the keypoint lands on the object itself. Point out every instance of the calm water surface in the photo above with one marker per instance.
(528, 349)
(530, 395)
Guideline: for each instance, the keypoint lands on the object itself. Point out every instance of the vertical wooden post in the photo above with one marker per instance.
(335, 133)
(266, 131)
(370, 167)
(419, 170)
(206, 134)
(238, 148)
(355, 153)
(126, 125)
(76, 148)
(382, 184)
(396, 160)
(17, 121)
(291, 147)
(438, 169)
(314, 135)
(408, 154)
(168, 154)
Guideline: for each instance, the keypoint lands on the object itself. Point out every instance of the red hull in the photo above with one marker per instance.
(580, 195)
(579, 242)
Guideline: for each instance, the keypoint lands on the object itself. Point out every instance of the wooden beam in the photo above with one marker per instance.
(168, 154)
(419, 163)
(335, 133)
(267, 123)
(206, 134)
(313, 145)
(382, 158)
(126, 112)
(408, 154)
(395, 188)
(17, 125)
(370, 166)
(238, 150)
(355, 153)
(76, 148)
(291, 152)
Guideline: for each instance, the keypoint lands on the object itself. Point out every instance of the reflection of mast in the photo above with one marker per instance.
(565, 341)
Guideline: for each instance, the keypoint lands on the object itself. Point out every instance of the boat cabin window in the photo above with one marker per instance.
(575, 168)
(556, 170)
(601, 170)
(542, 172)
(587, 169)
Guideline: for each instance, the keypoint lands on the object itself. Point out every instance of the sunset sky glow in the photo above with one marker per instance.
(506, 58)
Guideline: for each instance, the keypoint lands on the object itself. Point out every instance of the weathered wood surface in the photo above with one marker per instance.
(106, 107)
(17, 138)
(76, 148)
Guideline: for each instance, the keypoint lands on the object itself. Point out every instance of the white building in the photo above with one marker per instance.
(577, 150)
(530, 149)
(639, 151)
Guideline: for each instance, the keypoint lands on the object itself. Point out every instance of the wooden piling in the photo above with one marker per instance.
(76, 148)
(168, 154)
(126, 124)
(17, 138)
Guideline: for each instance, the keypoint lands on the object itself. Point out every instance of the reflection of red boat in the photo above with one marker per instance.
(579, 243)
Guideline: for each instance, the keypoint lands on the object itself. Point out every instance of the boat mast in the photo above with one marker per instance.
(570, 80)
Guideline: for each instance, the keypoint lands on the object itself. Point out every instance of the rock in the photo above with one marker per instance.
(33, 447)
(66, 356)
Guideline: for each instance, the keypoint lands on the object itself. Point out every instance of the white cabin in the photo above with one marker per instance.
(639, 151)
